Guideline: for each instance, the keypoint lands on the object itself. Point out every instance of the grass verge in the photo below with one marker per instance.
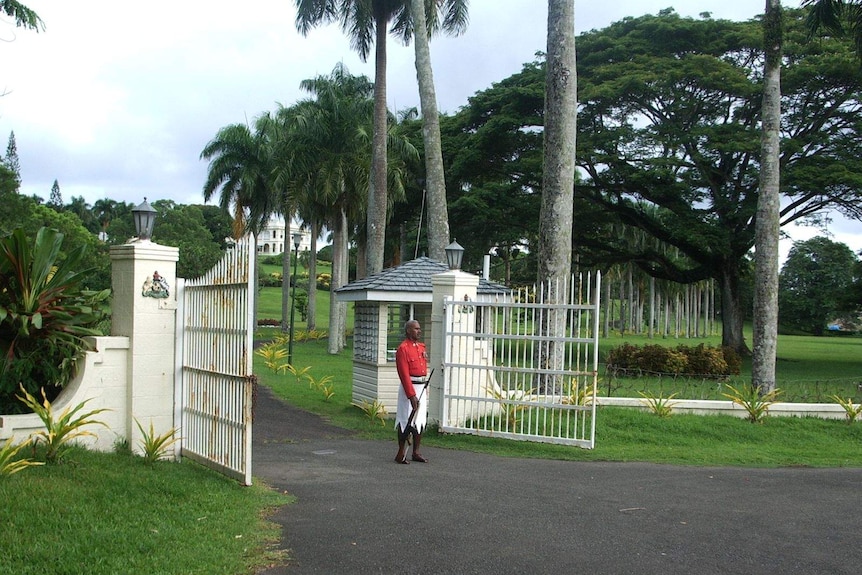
(109, 513)
(621, 434)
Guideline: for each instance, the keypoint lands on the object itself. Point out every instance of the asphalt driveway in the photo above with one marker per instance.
(468, 513)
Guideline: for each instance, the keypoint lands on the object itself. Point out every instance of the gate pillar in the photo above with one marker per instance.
(144, 310)
(453, 284)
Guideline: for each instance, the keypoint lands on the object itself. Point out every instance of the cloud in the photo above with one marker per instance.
(117, 99)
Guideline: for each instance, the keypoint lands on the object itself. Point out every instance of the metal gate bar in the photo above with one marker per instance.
(522, 368)
(215, 347)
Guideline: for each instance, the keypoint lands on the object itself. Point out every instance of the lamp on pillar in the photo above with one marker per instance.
(454, 255)
(297, 239)
(145, 220)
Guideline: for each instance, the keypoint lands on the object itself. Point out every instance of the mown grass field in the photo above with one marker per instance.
(621, 434)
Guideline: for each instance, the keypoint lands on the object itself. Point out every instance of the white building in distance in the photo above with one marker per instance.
(271, 239)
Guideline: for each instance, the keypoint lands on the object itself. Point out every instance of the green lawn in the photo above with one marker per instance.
(621, 434)
(109, 513)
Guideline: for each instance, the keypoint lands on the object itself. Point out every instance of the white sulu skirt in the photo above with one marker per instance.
(402, 413)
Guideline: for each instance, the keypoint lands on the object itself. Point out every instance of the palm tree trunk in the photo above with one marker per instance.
(377, 195)
(339, 244)
(438, 212)
(558, 177)
(311, 322)
(767, 225)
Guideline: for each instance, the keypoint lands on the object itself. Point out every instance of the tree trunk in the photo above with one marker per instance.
(438, 212)
(345, 275)
(608, 305)
(558, 176)
(767, 225)
(255, 264)
(311, 322)
(336, 321)
(652, 305)
(731, 313)
(377, 194)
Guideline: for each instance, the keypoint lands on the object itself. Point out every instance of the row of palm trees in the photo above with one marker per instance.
(308, 161)
(336, 159)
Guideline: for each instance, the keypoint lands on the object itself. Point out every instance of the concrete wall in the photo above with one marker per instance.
(101, 382)
(131, 374)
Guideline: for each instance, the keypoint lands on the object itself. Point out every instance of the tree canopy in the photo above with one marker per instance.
(671, 117)
(816, 275)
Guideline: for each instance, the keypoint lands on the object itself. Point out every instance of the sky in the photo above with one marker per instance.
(114, 101)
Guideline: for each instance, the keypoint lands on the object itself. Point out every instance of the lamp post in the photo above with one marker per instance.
(145, 219)
(454, 255)
(297, 238)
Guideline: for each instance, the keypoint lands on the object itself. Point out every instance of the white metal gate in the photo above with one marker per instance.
(523, 368)
(214, 349)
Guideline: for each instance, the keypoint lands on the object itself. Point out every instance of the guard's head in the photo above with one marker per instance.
(412, 329)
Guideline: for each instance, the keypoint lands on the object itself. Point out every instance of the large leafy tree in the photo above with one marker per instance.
(30, 215)
(367, 22)
(492, 149)
(671, 117)
(768, 219)
(186, 228)
(813, 280)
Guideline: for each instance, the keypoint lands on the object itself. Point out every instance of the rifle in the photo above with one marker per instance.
(404, 434)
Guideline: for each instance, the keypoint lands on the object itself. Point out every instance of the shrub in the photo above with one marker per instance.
(702, 360)
(10, 462)
(270, 280)
(324, 281)
(657, 358)
(623, 357)
(44, 313)
(155, 447)
(60, 431)
(734, 362)
(750, 398)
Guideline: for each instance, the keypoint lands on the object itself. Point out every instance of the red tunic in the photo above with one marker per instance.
(410, 360)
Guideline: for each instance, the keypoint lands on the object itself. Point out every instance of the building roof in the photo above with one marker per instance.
(410, 283)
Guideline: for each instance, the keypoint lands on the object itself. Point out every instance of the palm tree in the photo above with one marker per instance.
(435, 181)
(840, 17)
(367, 21)
(105, 210)
(23, 16)
(768, 225)
(328, 149)
(240, 169)
(324, 155)
(558, 177)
